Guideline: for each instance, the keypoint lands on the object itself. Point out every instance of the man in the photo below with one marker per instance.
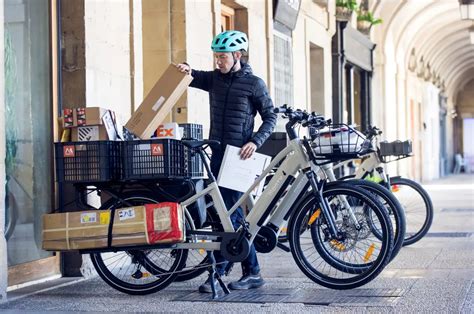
(236, 95)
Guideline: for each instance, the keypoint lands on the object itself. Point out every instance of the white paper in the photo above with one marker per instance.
(109, 126)
(238, 174)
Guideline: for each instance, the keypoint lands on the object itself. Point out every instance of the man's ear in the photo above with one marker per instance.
(237, 55)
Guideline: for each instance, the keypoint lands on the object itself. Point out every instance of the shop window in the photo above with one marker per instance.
(283, 69)
(227, 18)
(316, 54)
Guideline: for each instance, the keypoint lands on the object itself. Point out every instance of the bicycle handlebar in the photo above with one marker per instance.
(301, 116)
(372, 132)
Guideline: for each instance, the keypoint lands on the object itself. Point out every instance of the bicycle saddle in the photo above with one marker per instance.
(196, 144)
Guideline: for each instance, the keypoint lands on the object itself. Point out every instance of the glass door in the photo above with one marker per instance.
(28, 123)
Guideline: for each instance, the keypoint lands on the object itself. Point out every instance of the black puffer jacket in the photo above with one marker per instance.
(235, 99)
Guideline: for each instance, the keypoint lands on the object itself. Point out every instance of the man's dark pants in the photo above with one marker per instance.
(250, 264)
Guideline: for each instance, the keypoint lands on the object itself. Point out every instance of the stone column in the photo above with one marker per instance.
(3, 242)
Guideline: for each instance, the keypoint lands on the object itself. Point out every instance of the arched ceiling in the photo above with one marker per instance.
(433, 29)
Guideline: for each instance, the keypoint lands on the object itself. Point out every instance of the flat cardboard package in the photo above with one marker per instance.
(89, 133)
(158, 103)
(140, 225)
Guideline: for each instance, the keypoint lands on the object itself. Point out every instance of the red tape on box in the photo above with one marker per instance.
(163, 223)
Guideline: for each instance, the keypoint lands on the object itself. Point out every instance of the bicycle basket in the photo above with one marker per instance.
(396, 148)
(339, 141)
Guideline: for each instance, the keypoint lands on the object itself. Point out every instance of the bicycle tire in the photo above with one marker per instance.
(11, 215)
(211, 220)
(135, 286)
(395, 210)
(414, 231)
(350, 279)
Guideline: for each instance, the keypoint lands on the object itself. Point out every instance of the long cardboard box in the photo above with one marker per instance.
(158, 103)
(140, 225)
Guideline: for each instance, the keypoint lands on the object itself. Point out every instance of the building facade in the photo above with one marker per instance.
(74, 53)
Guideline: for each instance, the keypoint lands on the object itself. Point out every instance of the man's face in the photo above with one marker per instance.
(225, 61)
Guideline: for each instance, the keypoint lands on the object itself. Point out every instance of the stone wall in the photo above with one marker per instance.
(107, 54)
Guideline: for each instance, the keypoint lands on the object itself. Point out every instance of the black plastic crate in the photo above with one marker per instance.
(94, 161)
(154, 159)
(192, 131)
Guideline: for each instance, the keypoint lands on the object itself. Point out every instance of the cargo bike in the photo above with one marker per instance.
(340, 236)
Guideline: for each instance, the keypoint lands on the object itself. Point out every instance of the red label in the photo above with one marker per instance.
(157, 149)
(69, 151)
(174, 234)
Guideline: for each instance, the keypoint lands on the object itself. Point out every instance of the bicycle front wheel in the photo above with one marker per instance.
(417, 205)
(351, 260)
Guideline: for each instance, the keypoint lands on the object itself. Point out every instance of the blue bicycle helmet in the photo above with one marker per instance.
(230, 41)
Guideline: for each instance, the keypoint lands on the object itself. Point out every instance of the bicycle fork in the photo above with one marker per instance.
(318, 187)
(329, 172)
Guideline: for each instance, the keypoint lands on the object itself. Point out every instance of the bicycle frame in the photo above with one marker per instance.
(266, 210)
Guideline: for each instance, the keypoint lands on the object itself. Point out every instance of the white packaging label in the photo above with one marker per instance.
(162, 219)
(158, 103)
(126, 213)
(88, 218)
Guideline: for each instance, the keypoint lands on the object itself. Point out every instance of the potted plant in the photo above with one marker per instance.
(365, 21)
(344, 9)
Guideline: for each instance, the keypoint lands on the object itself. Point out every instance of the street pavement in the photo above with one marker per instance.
(435, 275)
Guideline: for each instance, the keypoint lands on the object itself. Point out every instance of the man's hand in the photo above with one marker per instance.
(247, 150)
(185, 68)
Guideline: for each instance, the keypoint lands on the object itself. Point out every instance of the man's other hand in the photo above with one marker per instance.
(185, 68)
(247, 150)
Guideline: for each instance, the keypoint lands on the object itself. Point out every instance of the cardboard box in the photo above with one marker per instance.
(105, 130)
(89, 116)
(140, 225)
(170, 131)
(158, 103)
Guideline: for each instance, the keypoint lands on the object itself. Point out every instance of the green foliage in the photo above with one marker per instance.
(368, 17)
(349, 4)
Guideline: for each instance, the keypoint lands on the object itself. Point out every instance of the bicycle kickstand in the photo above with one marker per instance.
(213, 274)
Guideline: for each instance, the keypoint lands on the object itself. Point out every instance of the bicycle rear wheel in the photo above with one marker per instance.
(345, 263)
(138, 272)
(417, 205)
